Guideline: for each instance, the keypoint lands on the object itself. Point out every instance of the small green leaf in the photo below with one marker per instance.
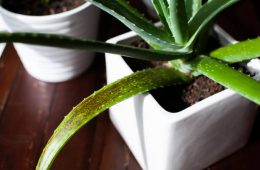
(91, 45)
(106, 97)
(228, 77)
(238, 52)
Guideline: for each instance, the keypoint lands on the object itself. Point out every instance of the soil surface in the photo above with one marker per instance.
(201, 88)
(37, 7)
(178, 97)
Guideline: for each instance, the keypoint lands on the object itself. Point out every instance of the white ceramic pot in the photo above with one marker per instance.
(55, 64)
(191, 139)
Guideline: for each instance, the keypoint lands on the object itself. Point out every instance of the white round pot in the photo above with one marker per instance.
(191, 139)
(54, 64)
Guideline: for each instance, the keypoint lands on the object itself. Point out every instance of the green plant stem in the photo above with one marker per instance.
(99, 101)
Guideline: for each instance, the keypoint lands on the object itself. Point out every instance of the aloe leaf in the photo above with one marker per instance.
(228, 77)
(238, 52)
(162, 9)
(192, 7)
(91, 45)
(178, 19)
(206, 13)
(121, 10)
(181, 64)
(106, 97)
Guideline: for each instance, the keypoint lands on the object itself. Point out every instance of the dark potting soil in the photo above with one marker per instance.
(36, 7)
(178, 97)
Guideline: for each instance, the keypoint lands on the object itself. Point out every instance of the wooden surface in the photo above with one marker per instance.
(30, 110)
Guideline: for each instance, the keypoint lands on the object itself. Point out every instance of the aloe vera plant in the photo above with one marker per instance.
(178, 41)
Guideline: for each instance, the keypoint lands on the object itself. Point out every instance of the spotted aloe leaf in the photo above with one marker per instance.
(91, 45)
(233, 79)
(241, 51)
(128, 15)
(162, 9)
(109, 95)
(192, 7)
(205, 15)
(178, 20)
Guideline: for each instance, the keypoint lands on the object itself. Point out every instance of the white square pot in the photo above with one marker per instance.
(191, 139)
(54, 64)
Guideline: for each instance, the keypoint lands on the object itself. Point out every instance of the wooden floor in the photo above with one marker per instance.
(30, 110)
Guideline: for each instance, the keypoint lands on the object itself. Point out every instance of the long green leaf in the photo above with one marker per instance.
(178, 19)
(241, 51)
(162, 9)
(91, 45)
(192, 7)
(135, 21)
(206, 13)
(228, 77)
(109, 95)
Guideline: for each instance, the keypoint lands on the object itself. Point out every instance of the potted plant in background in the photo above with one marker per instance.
(184, 50)
(54, 17)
